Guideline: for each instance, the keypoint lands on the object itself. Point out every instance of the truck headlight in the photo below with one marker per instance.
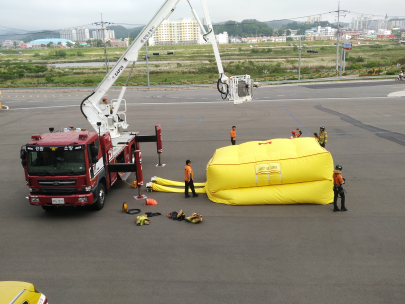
(88, 189)
(35, 200)
(82, 199)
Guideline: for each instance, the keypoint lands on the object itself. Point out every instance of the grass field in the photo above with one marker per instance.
(194, 62)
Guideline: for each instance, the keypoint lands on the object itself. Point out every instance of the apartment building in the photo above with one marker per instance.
(69, 34)
(183, 31)
(98, 34)
(82, 34)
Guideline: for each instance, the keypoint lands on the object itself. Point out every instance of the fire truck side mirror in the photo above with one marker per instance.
(23, 154)
(94, 160)
(94, 151)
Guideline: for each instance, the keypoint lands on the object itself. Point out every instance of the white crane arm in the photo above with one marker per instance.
(92, 107)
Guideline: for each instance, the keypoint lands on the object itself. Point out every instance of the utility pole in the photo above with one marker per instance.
(299, 62)
(104, 44)
(338, 34)
(147, 64)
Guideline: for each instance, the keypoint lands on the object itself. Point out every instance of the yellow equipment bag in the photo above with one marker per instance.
(278, 171)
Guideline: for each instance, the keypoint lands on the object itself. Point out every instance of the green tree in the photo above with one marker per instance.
(49, 79)
(15, 44)
(288, 33)
(280, 32)
(69, 44)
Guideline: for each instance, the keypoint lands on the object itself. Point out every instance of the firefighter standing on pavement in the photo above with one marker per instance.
(233, 135)
(322, 137)
(188, 179)
(338, 182)
(294, 134)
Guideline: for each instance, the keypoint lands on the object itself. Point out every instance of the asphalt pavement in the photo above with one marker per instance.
(238, 254)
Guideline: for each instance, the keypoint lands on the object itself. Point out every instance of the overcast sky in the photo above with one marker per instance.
(49, 15)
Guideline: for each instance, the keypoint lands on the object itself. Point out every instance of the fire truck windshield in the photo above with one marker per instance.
(65, 160)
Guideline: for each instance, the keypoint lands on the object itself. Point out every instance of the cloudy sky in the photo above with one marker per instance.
(57, 14)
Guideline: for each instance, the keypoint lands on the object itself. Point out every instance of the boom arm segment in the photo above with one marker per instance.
(92, 107)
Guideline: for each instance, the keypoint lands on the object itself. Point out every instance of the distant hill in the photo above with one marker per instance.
(121, 32)
(246, 28)
(28, 36)
(278, 23)
(135, 31)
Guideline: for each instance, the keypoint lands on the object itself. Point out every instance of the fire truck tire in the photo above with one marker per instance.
(101, 197)
(48, 208)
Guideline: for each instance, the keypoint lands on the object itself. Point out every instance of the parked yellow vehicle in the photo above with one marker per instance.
(20, 293)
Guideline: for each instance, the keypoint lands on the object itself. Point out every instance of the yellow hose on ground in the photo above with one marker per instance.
(167, 182)
(160, 188)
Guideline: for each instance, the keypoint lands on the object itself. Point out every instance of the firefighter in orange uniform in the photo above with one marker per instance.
(338, 182)
(294, 134)
(188, 179)
(233, 135)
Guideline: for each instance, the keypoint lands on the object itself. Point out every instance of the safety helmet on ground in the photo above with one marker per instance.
(322, 128)
(104, 99)
(293, 132)
(338, 167)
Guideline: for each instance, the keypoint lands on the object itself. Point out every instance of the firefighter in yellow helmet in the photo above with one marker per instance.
(322, 137)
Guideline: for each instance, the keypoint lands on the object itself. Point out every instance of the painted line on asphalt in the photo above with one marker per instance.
(33, 108)
(217, 102)
(293, 117)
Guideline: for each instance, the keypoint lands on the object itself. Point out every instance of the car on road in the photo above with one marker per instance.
(20, 293)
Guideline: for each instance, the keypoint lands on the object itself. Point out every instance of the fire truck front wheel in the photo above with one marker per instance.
(99, 204)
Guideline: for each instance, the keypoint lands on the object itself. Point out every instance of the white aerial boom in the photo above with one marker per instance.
(106, 117)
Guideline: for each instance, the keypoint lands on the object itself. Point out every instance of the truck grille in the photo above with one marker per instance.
(57, 183)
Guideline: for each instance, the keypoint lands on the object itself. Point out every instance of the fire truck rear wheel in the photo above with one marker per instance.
(48, 208)
(101, 197)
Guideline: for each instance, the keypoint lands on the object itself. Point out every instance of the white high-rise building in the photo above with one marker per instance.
(183, 31)
(98, 34)
(69, 34)
(82, 34)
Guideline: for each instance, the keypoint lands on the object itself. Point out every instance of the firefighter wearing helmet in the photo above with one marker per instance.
(295, 133)
(322, 137)
(338, 182)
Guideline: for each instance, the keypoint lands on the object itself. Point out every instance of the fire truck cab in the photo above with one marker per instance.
(78, 168)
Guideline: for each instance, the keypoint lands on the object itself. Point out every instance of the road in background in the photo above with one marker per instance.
(73, 97)
(238, 254)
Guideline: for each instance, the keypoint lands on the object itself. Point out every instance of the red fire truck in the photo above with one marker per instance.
(77, 167)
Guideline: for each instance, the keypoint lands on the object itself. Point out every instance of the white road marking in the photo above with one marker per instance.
(397, 94)
(211, 102)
